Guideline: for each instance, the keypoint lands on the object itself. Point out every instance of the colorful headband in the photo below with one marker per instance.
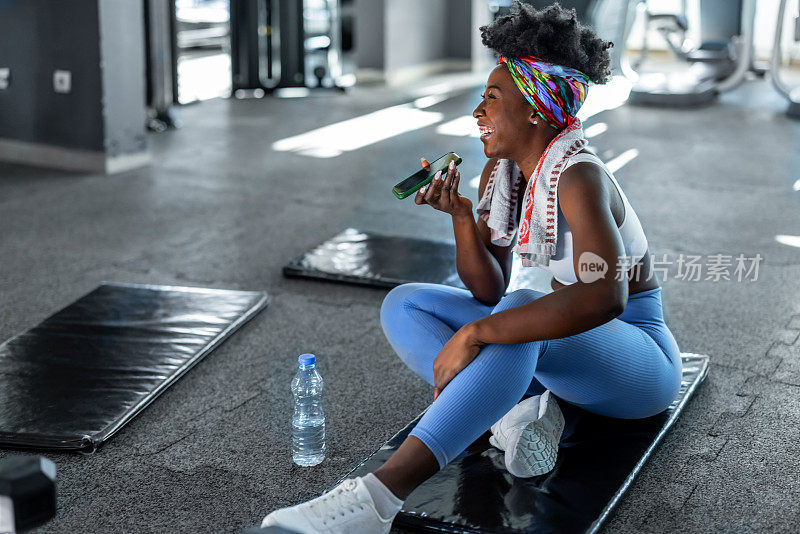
(556, 92)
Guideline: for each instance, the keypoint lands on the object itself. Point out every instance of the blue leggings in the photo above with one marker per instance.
(629, 367)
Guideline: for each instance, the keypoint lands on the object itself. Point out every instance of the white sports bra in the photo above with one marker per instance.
(561, 264)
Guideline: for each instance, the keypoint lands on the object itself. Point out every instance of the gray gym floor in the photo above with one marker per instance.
(219, 207)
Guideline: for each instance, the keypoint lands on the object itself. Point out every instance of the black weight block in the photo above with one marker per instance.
(598, 459)
(74, 380)
(28, 487)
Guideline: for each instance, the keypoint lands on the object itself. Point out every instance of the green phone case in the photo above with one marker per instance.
(409, 192)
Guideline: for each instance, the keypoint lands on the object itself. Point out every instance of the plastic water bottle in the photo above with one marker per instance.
(308, 421)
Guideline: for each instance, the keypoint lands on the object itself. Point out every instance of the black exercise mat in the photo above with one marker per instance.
(598, 459)
(75, 379)
(364, 258)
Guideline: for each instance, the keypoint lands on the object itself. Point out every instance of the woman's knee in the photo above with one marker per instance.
(402, 306)
(517, 298)
(453, 305)
(395, 301)
(506, 368)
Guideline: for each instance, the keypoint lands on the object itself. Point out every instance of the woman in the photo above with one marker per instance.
(598, 340)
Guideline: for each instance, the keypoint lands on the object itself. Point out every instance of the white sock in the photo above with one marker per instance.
(385, 501)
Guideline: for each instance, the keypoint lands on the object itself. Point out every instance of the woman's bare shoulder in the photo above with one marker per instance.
(584, 176)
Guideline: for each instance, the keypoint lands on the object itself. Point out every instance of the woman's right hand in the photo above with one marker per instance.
(442, 193)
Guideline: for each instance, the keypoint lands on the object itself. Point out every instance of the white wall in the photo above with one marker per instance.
(766, 18)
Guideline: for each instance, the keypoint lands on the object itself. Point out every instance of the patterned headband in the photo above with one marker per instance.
(556, 92)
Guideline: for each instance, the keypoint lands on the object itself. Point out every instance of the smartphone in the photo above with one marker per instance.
(411, 185)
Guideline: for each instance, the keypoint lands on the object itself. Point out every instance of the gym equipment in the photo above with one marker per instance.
(75, 379)
(718, 64)
(285, 43)
(792, 94)
(263, 52)
(27, 492)
(368, 259)
(162, 67)
(598, 460)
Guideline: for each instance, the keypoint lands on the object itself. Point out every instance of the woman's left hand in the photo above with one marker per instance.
(456, 354)
(442, 193)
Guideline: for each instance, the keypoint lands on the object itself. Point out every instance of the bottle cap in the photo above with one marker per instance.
(306, 359)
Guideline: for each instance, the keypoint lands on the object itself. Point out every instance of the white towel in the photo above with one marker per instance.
(538, 220)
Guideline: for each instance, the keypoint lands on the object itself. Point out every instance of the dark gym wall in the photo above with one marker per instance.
(368, 34)
(99, 124)
(36, 38)
(460, 30)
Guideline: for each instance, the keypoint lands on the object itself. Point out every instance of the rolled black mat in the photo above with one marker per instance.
(74, 380)
(597, 461)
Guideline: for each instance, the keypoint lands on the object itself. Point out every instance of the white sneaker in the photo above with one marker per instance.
(524, 412)
(346, 509)
(531, 447)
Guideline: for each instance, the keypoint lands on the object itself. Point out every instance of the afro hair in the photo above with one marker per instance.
(552, 34)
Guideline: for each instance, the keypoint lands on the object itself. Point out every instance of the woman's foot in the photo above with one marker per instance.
(521, 414)
(530, 433)
(346, 509)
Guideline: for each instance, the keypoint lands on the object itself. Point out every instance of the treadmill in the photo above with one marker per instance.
(718, 64)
